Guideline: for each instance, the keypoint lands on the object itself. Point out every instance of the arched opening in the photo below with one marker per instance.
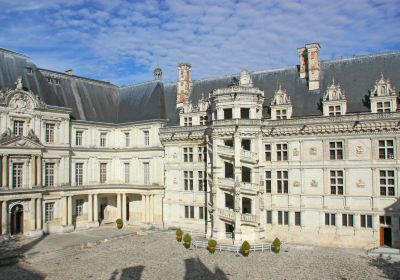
(17, 219)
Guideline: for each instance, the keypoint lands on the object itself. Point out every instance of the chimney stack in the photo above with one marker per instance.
(68, 72)
(184, 84)
(310, 64)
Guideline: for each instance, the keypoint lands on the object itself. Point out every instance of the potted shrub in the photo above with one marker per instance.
(179, 234)
(120, 223)
(211, 246)
(245, 248)
(277, 245)
(186, 240)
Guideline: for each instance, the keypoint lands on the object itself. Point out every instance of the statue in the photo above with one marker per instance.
(19, 83)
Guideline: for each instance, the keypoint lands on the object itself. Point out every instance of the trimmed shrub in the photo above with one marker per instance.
(245, 248)
(186, 240)
(179, 232)
(277, 245)
(119, 223)
(211, 246)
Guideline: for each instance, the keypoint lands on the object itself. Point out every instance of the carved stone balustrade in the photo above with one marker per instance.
(250, 218)
(226, 150)
(226, 214)
(226, 183)
(248, 156)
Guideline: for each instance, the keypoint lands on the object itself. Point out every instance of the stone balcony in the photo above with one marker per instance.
(247, 156)
(249, 188)
(250, 219)
(226, 183)
(225, 151)
(225, 214)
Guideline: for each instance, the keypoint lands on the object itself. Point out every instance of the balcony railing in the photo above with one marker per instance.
(226, 182)
(250, 218)
(226, 150)
(249, 186)
(249, 155)
(227, 214)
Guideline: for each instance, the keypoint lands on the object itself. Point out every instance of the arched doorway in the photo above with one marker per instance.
(17, 219)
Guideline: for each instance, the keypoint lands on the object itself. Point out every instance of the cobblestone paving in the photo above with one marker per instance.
(158, 256)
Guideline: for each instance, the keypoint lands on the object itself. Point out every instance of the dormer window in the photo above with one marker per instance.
(383, 97)
(334, 101)
(18, 128)
(188, 121)
(281, 106)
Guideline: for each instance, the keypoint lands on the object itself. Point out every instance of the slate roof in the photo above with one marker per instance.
(97, 101)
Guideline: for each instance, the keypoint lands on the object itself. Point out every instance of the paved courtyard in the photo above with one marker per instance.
(156, 255)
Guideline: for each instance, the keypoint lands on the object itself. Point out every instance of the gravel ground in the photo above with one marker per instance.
(158, 256)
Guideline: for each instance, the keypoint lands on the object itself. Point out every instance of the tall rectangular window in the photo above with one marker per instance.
(330, 219)
(146, 135)
(203, 120)
(17, 175)
(50, 133)
(78, 138)
(348, 220)
(49, 211)
(297, 218)
(49, 175)
(269, 217)
(126, 169)
(281, 152)
(382, 107)
(336, 150)
(127, 139)
(18, 128)
(282, 181)
(188, 180)
(189, 212)
(335, 110)
(386, 182)
(268, 152)
(268, 182)
(283, 217)
(201, 213)
(187, 121)
(103, 173)
(366, 221)
(188, 154)
(103, 139)
(202, 181)
(79, 173)
(79, 207)
(336, 181)
(146, 173)
(202, 155)
(386, 149)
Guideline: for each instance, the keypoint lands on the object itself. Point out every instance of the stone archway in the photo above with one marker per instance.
(17, 219)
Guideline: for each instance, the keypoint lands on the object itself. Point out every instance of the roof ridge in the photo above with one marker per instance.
(141, 83)
(13, 53)
(355, 57)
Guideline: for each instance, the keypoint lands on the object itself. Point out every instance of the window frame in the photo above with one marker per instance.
(282, 152)
(336, 150)
(385, 149)
(49, 134)
(282, 181)
(387, 182)
(79, 173)
(49, 171)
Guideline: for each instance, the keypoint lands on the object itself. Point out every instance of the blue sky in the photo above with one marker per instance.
(122, 41)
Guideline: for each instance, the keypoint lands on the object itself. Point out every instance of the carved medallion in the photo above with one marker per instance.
(313, 151)
(314, 183)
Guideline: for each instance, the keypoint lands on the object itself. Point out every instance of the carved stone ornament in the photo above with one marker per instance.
(360, 183)
(314, 183)
(359, 150)
(237, 195)
(261, 202)
(313, 151)
(296, 184)
(295, 152)
(175, 181)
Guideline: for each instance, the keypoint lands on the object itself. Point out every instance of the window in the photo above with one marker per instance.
(246, 144)
(366, 221)
(228, 143)
(203, 120)
(188, 154)
(187, 121)
(281, 114)
(103, 173)
(29, 70)
(386, 149)
(228, 113)
(283, 217)
(126, 168)
(189, 212)
(188, 180)
(127, 139)
(78, 138)
(269, 217)
(267, 152)
(79, 174)
(103, 139)
(229, 201)
(146, 135)
(49, 175)
(268, 182)
(382, 107)
(297, 218)
(17, 175)
(146, 173)
(348, 220)
(202, 181)
(336, 181)
(52, 80)
(49, 133)
(245, 113)
(202, 155)
(335, 110)
(385, 220)
(330, 219)
(201, 213)
(79, 207)
(18, 128)
(246, 174)
(386, 182)
(336, 150)
(281, 151)
(282, 181)
(228, 170)
(49, 211)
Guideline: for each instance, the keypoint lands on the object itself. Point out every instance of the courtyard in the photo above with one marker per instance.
(107, 253)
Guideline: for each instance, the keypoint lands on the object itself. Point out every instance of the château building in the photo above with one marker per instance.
(307, 153)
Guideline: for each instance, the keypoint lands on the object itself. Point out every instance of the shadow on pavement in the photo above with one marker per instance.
(195, 269)
(129, 273)
(390, 269)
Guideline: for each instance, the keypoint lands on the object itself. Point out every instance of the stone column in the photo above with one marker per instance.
(118, 206)
(38, 213)
(5, 171)
(145, 208)
(90, 208)
(69, 210)
(151, 208)
(95, 208)
(32, 216)
(4, 217)
(124, 206)
(32, 172)
(64, 210)
(39, 171)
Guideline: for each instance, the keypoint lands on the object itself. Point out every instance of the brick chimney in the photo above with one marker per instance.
(68, 72)
(310, 65)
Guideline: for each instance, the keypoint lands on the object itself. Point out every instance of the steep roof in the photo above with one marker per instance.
(98, 101)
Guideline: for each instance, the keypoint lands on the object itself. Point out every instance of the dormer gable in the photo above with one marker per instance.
(281, 106)
(334, 101)
(245, 79)
(383, 96)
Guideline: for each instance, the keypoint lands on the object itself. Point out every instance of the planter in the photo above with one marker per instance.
(179, 238)
(211, 249)
(187, 245)
(119, 226)
(245, 252)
